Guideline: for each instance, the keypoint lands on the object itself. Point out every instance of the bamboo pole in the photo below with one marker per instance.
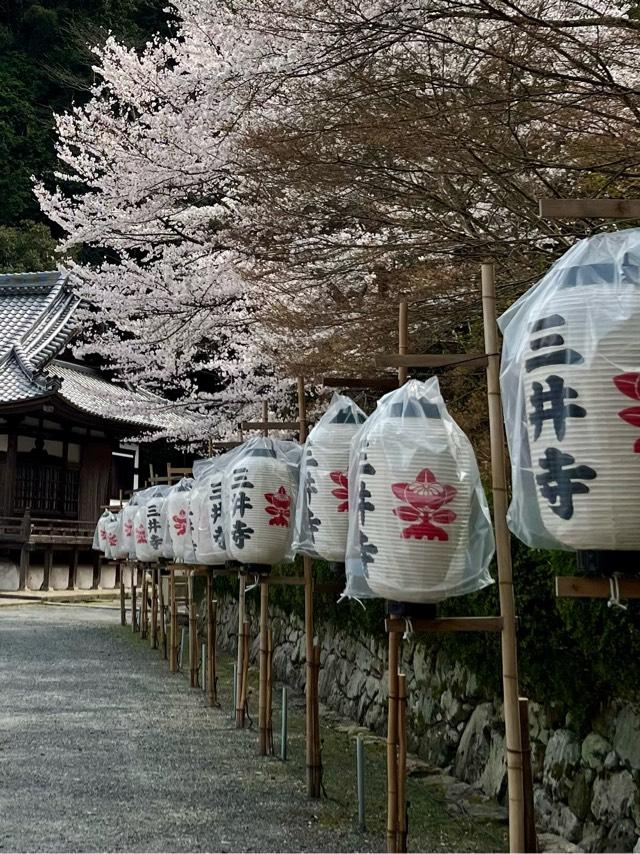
(155, 573)
(311, 704)
(317, 753)
(144, 605)
(134, 604)
(513, 740)
(262, 697)
(270, 692)
(401, 834)
(173, 616)
(123, 610)
(403, 338)
(245, 666)
(240, 658)
(194, 653)
(163, 625)
(530, 836)
(392, 742)
(211, 643)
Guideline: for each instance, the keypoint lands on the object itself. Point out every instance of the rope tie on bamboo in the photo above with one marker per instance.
(408, 629)
(354, 598)
(614, 590)
(256, 583)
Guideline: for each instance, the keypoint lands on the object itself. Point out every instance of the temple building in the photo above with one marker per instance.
(67, 435)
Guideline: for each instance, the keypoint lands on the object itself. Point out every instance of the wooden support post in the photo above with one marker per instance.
(211, 643)
(134, 604)
(245, 668)
(392, 744)
(312, 712)
(270, 692)
(194, 652)
(401, 834)
(262, 695)
(25, 557)
(163, 624)
(240, 717)
(403, 339)
(173, 618)
(530, 835)
(513, 741)
(95, 581)
(46, 578)
(144, 604)
(123, 611)
(155, 575)
(73, 570)
(317, 751)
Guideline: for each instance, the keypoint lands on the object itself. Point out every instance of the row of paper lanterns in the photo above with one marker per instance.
(397, 496)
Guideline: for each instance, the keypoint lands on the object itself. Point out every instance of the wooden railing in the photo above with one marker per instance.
(46, 531)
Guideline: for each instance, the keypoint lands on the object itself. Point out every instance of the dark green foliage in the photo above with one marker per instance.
(27, 248)
(45, 67)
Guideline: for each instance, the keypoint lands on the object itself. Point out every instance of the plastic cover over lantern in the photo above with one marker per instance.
(206, 509)
(571, 392)
(99, 543)
(322, 517)
(419, 524)
(128, 526)
(148, 523)
(177, 540)
(259, 494)
(119, 548)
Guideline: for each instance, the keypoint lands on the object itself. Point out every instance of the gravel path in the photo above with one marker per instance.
(102, 750)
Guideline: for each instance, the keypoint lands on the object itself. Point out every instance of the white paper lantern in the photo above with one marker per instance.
(212, 545)
(585, 452)
(148, 527)
(120, 550)
(259, 491)
(100, 536)
(111, 544)
(128, 528)
(571, 389)
(324, 507)
(176, 509)
(419, 517)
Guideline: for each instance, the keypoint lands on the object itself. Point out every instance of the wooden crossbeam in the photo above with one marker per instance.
(431, 360)
(221, 446)
(581, 587)
(284, 580)
(446, 625)
(590, 208)
(270, 425)
(372, 383)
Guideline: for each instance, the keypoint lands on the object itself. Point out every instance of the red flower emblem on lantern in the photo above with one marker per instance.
(128, 527)
(113, 539)
(279, 507)
(141, 536)
(180, 522)
(629, 385)
(424, 499)
(342, 492)
(103, 534)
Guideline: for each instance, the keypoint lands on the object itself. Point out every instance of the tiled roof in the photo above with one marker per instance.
(36, 322)
(87, 390)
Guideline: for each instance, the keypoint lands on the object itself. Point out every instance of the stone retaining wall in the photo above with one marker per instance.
(587, 786)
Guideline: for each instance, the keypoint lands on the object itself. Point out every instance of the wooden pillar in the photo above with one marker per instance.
(211, 643)
(46, 578)
(262, 697)
(240, 659)
(25, 557)
(123, 611)
(513, 741)
(95, 581)
(73, 570)
(155, 573)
